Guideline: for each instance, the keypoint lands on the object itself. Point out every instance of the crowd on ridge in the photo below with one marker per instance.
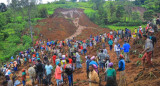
(66, 57)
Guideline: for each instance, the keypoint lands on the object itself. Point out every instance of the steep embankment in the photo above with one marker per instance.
(64, 24)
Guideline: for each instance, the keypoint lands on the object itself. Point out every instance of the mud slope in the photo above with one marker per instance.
(64, 23)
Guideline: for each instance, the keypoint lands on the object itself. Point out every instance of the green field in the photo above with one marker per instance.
(123, 27)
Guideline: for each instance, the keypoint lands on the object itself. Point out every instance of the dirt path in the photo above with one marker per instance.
(79, 28)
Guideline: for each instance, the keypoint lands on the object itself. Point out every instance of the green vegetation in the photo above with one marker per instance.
(20, 16)
(123, 27)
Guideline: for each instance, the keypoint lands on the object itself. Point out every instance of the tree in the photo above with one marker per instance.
(3, 7)
(43, 12)
(148, 15)
(119, 12)
(135, 16)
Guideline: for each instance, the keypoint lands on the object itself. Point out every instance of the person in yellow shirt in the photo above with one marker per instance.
(93, 77)
(135, 31)
(134, 36)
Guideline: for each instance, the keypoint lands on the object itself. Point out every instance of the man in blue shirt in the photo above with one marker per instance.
(126, 48)
(48, 69)
(121, 69)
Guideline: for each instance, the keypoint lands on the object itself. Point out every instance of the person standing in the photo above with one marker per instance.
(110, 42)
(39, 71)
(117, 49)
(135, 31)
(111, 75)
(126, 48)
(147, 51)
(23, 77)
(58, 73)
(78, 61)
(158, 23)
(121, 69)
(102, 57)
(84, 48)
(87, 65)
(32, 74)
(93, 77)
(48, 69)
(54, 58)
(69, 72)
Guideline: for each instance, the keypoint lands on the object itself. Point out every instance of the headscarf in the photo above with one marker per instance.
(93, 57)
(63, 57)
(110, 64)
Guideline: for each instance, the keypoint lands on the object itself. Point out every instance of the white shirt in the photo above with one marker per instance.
(116, 48)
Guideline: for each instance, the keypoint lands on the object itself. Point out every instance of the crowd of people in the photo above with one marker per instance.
(61, 58)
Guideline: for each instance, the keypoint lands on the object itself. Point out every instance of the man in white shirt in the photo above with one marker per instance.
(117, 49)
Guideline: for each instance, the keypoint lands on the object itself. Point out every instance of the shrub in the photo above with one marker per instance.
(43, 12)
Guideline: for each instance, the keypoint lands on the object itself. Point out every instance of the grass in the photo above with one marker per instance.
(123, 27)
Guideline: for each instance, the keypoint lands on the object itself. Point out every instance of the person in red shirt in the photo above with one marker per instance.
(54, 58)
(111, 37)
(70, 60)
(34, 55)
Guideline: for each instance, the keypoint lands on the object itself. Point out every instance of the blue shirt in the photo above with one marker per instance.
(87, 63)
(126, 47)
(48, 69)
(93, 62)
(110, 42)
(121, 65)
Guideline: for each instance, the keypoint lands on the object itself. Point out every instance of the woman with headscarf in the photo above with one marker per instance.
(63, 61)
(94, 63)
(110, 75)
(93, 77)
(78, 61)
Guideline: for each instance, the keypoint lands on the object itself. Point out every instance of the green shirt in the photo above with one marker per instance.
(111, 72)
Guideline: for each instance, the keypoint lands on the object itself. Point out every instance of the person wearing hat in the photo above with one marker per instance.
(111, 75)
(121, 69)
(126, 48)
(147, 51)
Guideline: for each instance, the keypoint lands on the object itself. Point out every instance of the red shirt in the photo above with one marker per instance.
(54, 57)
(81, 47)
(34, 55)
(70, 61)
(111, 37)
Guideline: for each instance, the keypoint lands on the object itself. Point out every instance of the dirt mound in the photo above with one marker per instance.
(64, 23)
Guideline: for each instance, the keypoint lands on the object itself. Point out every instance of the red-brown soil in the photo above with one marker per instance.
(60, 26)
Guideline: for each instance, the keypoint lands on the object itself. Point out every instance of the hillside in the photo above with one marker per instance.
(65, 23)
(68, 23)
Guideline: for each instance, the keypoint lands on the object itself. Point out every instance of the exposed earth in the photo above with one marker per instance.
(69, 23)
